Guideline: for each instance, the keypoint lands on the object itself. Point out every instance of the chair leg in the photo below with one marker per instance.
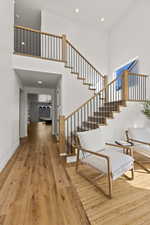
(109, 179)
(108, 195)
(110, 185)
(141, 165)
(132, 175)
(77, 162)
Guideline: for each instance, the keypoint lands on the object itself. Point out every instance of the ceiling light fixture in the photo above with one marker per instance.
(23, 43)
(102, 19)
(40, 81)
(17, 16)
(76, 10)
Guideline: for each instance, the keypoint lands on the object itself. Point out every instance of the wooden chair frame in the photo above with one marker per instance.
(139, 162)
(109, 172)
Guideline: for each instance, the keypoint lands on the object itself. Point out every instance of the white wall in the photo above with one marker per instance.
(23, 114)
(9, 87)
(130, 38)
(92, 43)
(42, 91)
(73, 92)
(57, 106)
(32, 107)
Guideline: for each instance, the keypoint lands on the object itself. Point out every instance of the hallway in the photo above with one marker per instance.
(35, 188)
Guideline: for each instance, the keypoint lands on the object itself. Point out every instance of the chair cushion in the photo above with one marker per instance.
(91, 140)
(142, 149)
(141, 134)
(120, 163)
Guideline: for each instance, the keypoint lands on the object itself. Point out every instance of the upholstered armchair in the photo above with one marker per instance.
(106, 160)
(140, 137)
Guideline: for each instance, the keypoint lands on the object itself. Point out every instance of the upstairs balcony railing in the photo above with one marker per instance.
(35, 43)
(29, 42)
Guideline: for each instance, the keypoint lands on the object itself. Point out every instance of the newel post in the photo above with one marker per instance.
(106, 90)
(125, 86)
(105, 80)
(64, 48)
(62, 148)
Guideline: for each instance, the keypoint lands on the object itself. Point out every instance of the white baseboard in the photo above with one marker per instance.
(6, 157)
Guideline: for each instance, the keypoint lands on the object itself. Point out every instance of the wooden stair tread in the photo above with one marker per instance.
(91, 124)
(76, 73)
(69, 67)
(81, 129)
(100, 117)
(109, 108)
(97, 119)
(87, 83)
(80, 78)
(92, 88)
(120, 103)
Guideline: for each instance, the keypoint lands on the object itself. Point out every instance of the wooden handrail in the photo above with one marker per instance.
(85, 59)
(137, 74)
(93, 97)
(37, 31)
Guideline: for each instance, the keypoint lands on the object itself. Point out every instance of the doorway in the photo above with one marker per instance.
(40, 108)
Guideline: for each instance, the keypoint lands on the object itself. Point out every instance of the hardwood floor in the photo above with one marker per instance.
(130, 204)
(35, 188)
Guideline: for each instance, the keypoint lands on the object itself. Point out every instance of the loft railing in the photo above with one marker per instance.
(35, 43)
(30, 42)
(127, 87)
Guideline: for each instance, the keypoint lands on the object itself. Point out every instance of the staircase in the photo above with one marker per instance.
(34, 43)
(107, 98)
(94, 113)
(100, 117)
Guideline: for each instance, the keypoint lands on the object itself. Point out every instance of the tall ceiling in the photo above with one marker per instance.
(90, 11)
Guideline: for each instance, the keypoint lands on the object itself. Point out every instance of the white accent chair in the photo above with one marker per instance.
(105, 160)
(140, 137)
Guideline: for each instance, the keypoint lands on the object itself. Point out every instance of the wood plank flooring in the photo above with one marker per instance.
(35, 188)
(130, 204)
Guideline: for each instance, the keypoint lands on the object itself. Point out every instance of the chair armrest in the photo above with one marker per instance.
(118, 146)
(79, 148)
(140, 142)
(128, 148)
(93, 153)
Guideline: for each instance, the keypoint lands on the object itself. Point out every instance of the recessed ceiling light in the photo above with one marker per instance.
(23, 43)
(17, 16)
(102, 19)
(76, 10)
(40, 81)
